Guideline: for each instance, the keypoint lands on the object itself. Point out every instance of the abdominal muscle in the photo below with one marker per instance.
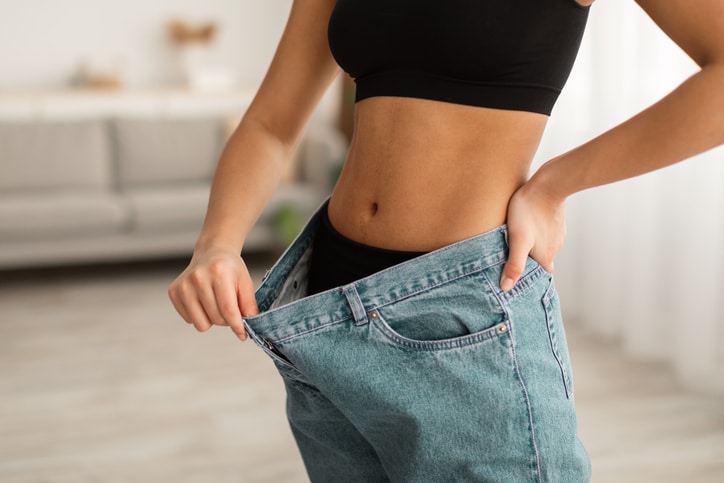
(423, 174)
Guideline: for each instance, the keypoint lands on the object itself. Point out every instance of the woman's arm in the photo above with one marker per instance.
(687, 122)
(216, 288)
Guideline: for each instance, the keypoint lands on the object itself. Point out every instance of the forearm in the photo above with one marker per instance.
(252, 162)
(246, 176)
(687, 122)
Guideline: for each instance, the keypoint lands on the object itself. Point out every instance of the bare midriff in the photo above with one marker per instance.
(423, 174)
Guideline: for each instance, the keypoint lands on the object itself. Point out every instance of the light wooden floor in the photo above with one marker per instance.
(100, 381)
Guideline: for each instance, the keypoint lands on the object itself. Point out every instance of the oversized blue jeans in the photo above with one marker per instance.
(425, 371)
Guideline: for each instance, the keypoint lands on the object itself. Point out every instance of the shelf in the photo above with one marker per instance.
(95, 104)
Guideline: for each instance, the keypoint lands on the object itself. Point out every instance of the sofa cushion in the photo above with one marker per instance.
(166, 151)
(161, 208)
(174, 207)
(42, 155)
(48, 216)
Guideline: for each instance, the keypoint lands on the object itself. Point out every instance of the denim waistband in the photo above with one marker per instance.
(360, 298)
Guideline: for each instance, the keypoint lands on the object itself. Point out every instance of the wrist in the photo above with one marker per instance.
(548, 184)
(209, 243)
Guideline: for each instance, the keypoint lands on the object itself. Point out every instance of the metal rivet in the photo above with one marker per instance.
(374, 314)
(502, 329)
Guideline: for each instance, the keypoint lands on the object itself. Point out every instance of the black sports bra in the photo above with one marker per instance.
(505, 54)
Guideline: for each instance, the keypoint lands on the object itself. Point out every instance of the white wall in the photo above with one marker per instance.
(42, 41)
(643, 261)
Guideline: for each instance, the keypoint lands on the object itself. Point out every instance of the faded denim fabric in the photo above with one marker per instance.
(425, 371)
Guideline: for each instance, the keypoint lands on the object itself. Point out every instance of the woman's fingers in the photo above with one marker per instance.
(188, 305)
(209, 294)
(245, 302)
(247, 299)
(177, 302)
(536, 228)
(519, 248)
(215, 291)
(227, 301)
(198, 316)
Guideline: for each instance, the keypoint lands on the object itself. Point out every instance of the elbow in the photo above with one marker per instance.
(710, 57)
(716, 70)
(708, 101)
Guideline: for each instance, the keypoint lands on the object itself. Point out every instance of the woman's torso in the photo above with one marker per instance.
(453, 100)
(422, 174)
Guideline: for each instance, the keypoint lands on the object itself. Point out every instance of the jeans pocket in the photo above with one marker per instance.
(472, 339)
(454, 314)
(557, 336)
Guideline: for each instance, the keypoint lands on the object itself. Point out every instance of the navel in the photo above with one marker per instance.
(373, 209)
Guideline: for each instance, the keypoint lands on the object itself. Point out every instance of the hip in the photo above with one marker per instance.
(438, 280)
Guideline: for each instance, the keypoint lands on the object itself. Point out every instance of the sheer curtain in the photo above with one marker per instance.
(644, 259)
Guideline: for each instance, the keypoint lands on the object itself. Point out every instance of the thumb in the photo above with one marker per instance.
(247, 299)
(514, 267)
(247, 307)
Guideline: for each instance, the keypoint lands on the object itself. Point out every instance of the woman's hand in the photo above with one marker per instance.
(536, 227)
(215, 289)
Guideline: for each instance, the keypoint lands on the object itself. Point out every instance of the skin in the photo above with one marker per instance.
(423, 174)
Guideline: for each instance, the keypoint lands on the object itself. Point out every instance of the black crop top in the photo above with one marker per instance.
(506, 54)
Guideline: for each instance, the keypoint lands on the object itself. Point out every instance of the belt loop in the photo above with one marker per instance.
(355, 303)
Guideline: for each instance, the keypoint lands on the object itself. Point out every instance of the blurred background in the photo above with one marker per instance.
(112, 117)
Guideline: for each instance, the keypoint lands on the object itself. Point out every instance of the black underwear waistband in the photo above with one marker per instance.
(337, 260)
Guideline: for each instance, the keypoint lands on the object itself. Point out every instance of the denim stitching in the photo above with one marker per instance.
(529, 409)
(547, 300)
(316, 328)
(525, 282)
(304, 300)
(461, 342)
(428, 288)
(286, 366)
(376, 307)
(445, 344)
(270, 291)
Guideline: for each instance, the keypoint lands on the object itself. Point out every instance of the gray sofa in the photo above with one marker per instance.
(113, 189)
